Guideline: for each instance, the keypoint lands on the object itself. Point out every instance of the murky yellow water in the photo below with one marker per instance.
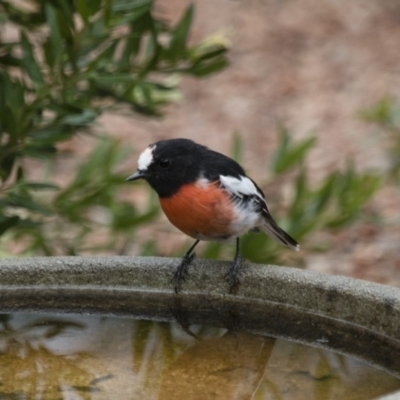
(85, 357)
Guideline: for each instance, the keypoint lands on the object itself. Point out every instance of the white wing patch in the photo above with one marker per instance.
(247, 212)
(251, 211)
(239, 187)
(146, 158)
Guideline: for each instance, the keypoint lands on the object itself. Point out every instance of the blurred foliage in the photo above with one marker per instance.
(71, 61)
(334, 203)
(386, 114)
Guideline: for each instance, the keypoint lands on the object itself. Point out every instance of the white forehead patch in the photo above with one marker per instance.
(146, 158)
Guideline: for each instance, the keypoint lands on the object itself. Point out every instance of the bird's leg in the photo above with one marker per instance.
(181, 270)
(235, 270)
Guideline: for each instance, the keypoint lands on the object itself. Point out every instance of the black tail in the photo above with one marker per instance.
(271, 228)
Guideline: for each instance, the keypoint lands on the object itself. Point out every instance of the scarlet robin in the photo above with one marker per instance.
(208, 196)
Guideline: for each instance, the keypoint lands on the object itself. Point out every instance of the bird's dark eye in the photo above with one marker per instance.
(164, 163)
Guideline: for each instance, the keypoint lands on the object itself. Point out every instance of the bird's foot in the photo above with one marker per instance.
(182, 271)
(233, 274)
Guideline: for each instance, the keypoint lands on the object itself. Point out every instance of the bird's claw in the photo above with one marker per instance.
(181, 271)
(233, 274)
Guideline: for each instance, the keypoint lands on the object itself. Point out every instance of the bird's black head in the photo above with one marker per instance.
(168, 164)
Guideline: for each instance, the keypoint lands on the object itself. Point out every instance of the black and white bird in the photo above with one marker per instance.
(208, 196)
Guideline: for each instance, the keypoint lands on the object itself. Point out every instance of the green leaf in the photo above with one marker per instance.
(87, 8)
(7, 223)
(113, 79)
(301, 194)
(207, 67)
(148, 249)
(299, 152)
(65, 20)
(23, 201)
(281, 153)
(55, 45)
(179, 37)
(103, 61)
(131, 5)
(38, 186)
(326, 192)
(107, 11)
(134, 39)
(211, 47)
(237, 147)
(7, 164)
(381, 112)
(48, 134)
(10, 61)
(212, 250)
(258, 248)
(39, 151)
(288, 154)
(125, 217)
(13, 91)
(86, 117)
(85, 57)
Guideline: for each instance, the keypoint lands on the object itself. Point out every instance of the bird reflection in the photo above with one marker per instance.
(244, 366)
(229, 367)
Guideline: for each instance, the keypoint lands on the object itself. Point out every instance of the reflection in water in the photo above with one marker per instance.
(228, 367)
(81, 357)
(28, 369)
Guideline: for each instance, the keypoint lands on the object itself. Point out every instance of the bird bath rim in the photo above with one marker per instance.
(347, 315)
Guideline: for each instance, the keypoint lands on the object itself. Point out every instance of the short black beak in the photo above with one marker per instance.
(137, 175)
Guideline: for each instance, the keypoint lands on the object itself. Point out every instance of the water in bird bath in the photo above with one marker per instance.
(45, 356)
